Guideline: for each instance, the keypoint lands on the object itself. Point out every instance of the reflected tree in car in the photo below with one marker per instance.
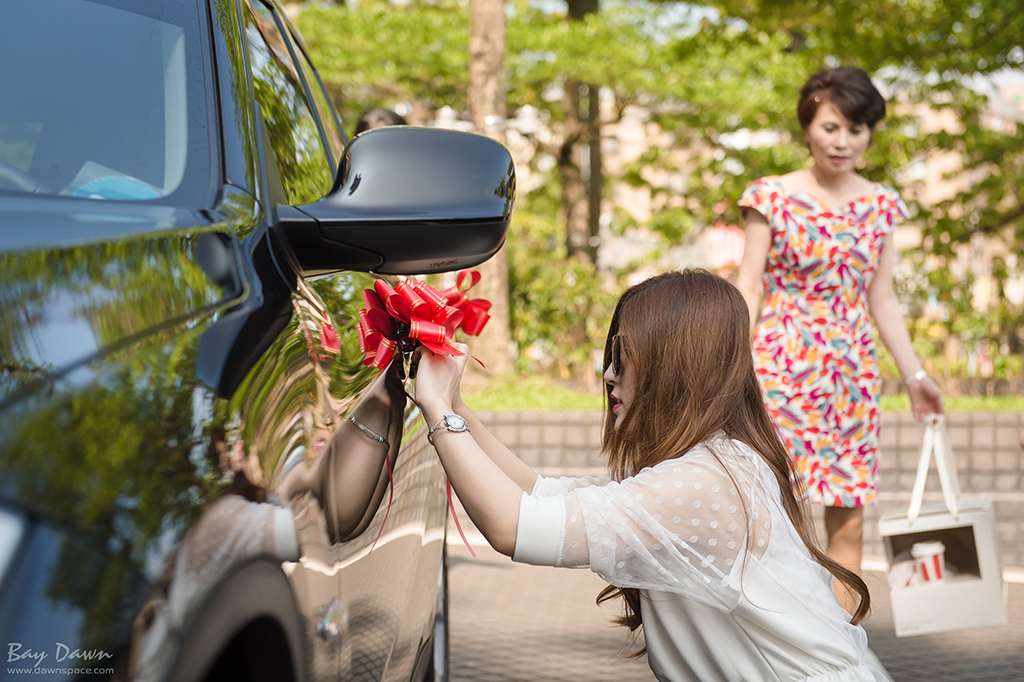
(118, 453)
(59, 306)
(288, 121)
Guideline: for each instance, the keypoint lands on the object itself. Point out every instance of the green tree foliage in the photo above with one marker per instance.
(721, 79)
(378, 54)
(930, 58)
(560, 306)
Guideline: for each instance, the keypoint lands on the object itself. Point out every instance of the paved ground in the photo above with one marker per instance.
(974, 655)
(518, 623)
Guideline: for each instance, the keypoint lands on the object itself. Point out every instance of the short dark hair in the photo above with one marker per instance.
(378, 118)
(849, 89)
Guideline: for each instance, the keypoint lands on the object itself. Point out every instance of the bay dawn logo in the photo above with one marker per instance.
(61, 652)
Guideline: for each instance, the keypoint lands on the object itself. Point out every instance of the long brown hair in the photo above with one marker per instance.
(686, 338)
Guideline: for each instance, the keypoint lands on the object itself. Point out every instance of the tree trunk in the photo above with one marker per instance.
(595, 179)
(579, 161)
(487, 110)
(575, 204)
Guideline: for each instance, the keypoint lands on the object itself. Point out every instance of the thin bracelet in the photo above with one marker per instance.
(369, 434)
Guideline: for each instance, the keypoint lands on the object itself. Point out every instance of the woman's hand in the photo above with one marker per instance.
(925, 398)
(438, 376)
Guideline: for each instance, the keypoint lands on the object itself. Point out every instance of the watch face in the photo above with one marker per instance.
(454, 422)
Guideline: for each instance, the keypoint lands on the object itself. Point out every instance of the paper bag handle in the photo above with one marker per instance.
(936, 439)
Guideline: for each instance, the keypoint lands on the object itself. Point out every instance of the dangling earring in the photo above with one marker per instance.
(861, 163)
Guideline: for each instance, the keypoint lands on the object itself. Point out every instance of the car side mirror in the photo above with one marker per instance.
(408, 201)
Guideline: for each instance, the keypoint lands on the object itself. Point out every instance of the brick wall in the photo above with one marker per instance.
(986, 445)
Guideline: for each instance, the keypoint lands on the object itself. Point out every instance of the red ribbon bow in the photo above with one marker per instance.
(474, 311)
(414, 312)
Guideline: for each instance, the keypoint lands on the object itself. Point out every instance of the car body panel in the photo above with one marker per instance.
(178, 475)
(60, 306)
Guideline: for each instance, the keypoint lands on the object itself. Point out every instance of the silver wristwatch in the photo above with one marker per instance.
(915, 377)
(449, 422)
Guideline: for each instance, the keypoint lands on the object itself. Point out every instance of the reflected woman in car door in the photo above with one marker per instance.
(350, 475)
(348, 478)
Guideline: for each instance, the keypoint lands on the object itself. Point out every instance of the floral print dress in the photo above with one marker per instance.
(814, 344)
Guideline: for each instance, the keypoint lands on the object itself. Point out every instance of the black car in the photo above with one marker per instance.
(199, 477)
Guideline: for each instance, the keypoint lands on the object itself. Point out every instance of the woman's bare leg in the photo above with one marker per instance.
(845, 529)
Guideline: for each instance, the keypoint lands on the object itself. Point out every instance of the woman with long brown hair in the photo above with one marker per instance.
(696, 525)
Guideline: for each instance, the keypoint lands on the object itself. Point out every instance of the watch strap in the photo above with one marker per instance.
(443, 424)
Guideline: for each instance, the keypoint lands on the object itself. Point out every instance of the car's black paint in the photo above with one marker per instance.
(174, 394)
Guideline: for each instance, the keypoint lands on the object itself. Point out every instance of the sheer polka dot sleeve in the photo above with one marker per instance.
(563, 484)
(681, 526)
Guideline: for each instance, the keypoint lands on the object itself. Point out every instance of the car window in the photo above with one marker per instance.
(333, 129)
(323, 107)
(302, 160)
(103, 99)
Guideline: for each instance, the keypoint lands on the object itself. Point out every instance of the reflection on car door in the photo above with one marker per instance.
(387, 574)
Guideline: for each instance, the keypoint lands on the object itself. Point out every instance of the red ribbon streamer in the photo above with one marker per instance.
(455, 518)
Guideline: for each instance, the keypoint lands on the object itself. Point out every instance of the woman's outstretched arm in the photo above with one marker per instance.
(490, 495)
(518, 470)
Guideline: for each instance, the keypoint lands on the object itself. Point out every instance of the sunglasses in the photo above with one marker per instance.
(617, 351)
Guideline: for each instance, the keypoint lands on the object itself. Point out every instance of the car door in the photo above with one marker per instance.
(182, 494)
(125, 467)
(387, 573)
(110, 273)
(389, 586)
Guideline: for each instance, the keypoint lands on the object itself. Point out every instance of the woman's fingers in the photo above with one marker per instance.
(925, 398)
(438, 375)
(435, 376)
(414, 361)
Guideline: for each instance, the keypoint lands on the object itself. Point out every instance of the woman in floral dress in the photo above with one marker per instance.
(818, 247)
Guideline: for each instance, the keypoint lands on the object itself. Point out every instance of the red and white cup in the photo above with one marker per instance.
(929, 561)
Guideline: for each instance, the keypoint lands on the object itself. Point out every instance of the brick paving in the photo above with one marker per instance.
(512, 622)
(517, 623)
(986, 654)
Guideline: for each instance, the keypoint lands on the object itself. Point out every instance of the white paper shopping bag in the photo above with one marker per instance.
(945, 571)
